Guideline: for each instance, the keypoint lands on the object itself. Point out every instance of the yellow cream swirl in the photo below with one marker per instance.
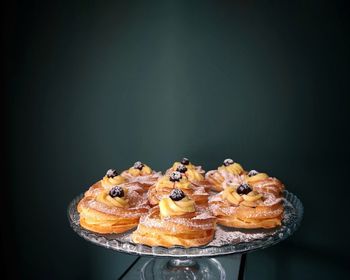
(169, 207)
(257, 177)
(112, 181)
(146, 170)
(234, 168)
(231, 195)
(121, 202)
(189, 166)
(165, 182)
(194, 175)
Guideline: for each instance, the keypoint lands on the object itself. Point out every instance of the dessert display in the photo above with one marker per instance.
(183, 207)
(141, 174)
(176, 221)
(113, 211)
(176, 179)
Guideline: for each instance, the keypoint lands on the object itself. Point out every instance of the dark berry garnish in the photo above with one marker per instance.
(228, 162)
(111, 173)
(185, 161)
(244, 189)
(252, 173)
(181, 168)
(116, 192)
(138, 165)
(177, 194)
(175, 176)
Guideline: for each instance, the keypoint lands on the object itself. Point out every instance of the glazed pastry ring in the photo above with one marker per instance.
(226, 240)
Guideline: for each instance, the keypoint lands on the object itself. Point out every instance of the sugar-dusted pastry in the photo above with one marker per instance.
(111, 179)
(228, 174)
(168, 182)
(193, 175)
(142, 174)
(263, 183)
(242, 207)
(113, 211)
(186, 162)
(176, 221)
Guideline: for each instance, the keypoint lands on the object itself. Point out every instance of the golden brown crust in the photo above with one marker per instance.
(267, 213)
(249, 223)
(184, 231)
(268, 185)
(101, 228)
(103, 218)
(215, 179)
(94, 189)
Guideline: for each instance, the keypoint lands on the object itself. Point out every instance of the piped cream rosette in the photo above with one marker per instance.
(167, 183)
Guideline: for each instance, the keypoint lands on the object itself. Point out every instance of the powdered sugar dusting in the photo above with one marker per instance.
(231, 179)
(199, 190)
(203, 216)
(221, 209)
(216, 197)
(270, 199)
(227, 236)
(146, 179)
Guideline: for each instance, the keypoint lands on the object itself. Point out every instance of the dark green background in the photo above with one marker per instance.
(93, 85)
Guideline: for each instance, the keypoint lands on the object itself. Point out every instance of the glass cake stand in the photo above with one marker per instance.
(189, 263)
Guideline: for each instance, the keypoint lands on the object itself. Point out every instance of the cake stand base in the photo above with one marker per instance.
(182, 268)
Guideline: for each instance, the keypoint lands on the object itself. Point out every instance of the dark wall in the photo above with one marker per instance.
(92, 85)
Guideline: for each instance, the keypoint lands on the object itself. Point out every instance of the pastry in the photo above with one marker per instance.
(113, 211)
(228, 174)
(176, 221)
(194, 175)
(168, 182)
(111, 179)
(186, 162)
(142, 174)
(263, 183)
(243, 207)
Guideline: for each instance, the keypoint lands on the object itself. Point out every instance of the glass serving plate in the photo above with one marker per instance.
(226, 240)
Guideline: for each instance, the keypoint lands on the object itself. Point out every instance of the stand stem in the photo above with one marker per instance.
(182, 264)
